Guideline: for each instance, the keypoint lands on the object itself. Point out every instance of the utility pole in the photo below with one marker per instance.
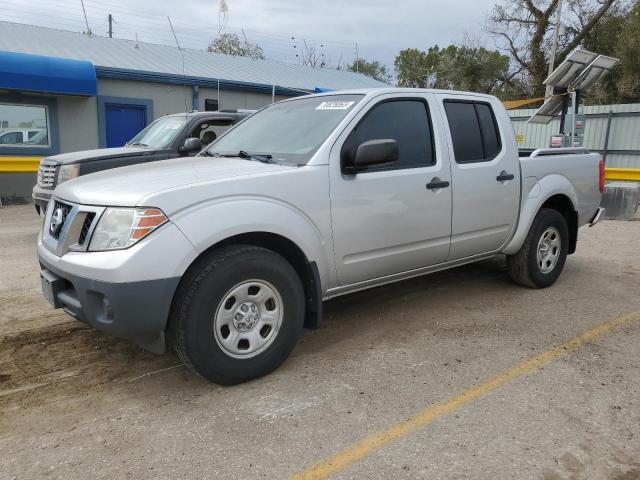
(110, 26)
(554, 47)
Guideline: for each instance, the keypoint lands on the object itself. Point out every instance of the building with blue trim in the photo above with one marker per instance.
(62, 91)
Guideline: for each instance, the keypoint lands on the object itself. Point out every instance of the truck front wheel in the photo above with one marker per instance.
(541, 258)
(237, 314)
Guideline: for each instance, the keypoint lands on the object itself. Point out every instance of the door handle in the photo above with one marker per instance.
(504, 176)
(436, 184)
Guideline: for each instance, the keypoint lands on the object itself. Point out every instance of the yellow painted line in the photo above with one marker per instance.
(622, 174)
(19, 164)
(376, 441)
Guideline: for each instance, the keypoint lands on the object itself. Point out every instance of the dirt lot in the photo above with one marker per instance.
(77, 404)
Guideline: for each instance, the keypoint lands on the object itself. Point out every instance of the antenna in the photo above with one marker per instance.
(357, 59)
(175, 37)
(223, 16)
(86, 22)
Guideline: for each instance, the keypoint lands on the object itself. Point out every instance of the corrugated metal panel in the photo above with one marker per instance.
(123, 54)
(624, 135)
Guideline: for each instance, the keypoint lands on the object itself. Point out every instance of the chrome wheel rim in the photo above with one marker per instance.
(548, 249)
(248, 318)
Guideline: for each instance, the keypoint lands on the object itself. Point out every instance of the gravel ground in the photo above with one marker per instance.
(75, 403)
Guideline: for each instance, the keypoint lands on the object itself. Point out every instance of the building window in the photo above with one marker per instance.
(211, 105)
(24, 126)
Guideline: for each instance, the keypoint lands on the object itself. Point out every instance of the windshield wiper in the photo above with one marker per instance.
(260, 157)
(137, 144)
(264, 158)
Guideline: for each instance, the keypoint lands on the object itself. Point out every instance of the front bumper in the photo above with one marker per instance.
(41, 197)
(137, 311)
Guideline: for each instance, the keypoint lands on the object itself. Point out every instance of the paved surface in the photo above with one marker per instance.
(77, 404)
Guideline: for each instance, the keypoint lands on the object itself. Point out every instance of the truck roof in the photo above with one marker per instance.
(392, 90)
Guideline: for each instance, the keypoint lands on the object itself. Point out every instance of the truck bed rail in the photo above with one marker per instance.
(541, 152)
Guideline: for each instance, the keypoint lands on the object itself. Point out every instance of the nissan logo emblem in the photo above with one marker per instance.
(56, 221)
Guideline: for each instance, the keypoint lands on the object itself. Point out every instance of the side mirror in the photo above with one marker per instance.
(191, 145)
(373, 152)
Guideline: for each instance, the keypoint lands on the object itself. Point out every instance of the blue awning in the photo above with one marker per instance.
(323, 90)
(37, 73)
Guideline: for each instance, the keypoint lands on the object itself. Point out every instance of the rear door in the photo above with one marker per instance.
(386, 220)
(486, 176)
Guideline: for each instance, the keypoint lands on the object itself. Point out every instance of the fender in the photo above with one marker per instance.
(210, 223)
(545, 188)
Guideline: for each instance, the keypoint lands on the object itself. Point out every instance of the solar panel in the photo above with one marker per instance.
(579, 71)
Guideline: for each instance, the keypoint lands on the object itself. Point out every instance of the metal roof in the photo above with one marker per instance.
(127, 55)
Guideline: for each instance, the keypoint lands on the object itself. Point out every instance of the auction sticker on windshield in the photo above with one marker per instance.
(334, 105)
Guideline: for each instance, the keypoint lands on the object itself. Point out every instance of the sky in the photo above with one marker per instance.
(381, 28)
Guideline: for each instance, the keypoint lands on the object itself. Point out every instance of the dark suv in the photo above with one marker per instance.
(181, 134)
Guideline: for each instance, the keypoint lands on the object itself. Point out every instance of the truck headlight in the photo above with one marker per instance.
(120, 228)
(67, 172)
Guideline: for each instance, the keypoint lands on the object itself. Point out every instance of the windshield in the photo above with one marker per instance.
(159, 134)
(290, 132)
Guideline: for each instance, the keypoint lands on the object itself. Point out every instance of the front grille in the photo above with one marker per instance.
(86, 226)
(46, 174)
(65, 209)
(68, 226)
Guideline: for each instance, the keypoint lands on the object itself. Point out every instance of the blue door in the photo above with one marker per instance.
(123, 122)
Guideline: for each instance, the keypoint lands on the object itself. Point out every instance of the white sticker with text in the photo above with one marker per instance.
(334, 105)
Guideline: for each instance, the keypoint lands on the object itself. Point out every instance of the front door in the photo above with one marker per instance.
(123, 122)
(486, 177)
(385, 219)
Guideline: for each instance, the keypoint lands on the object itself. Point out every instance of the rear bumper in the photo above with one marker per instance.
(596, 218)
(136, 311)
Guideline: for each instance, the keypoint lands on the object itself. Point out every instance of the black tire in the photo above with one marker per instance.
(203, 288)
(523, 267)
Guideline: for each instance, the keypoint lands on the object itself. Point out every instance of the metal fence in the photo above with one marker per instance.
(622, 148)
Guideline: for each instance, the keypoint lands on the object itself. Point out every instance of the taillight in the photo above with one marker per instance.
(601, 181)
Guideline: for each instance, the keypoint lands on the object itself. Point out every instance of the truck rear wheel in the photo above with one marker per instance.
(541, 258)
(237, 314)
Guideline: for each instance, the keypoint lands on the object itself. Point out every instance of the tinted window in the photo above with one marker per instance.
(490, 136)
(11, 138)
(405, 121)
(465, 132)
(473, 131)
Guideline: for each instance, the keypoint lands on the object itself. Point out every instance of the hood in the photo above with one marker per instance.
(98, 154)
(127, 186)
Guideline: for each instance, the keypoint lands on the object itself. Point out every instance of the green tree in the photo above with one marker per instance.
(456, 67)
(628, 50)
(231, 44)
(373, 69)
(415, 68)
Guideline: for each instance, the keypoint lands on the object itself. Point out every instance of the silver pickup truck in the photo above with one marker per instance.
(226, 256)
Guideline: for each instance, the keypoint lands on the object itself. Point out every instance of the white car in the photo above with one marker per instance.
(18, 136)
(228, 254)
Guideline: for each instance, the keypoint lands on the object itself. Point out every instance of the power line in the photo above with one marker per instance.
(196, 35)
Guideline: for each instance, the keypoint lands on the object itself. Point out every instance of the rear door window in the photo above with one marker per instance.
(490, 136)
(473, 130)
